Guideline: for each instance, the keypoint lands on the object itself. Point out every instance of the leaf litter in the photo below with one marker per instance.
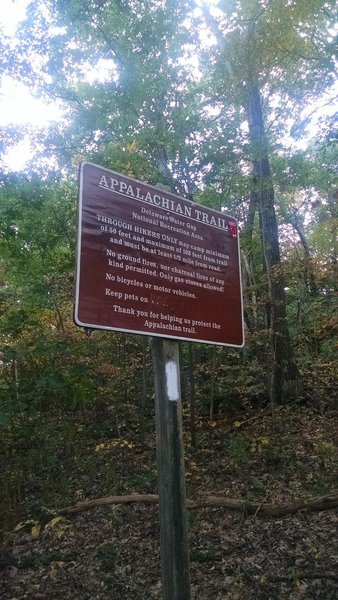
(114, 551)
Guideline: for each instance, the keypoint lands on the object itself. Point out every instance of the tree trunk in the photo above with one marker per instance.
(192, 394)
(248, 272)
(332, 204)
(212, 385)
(144, 396)
(285, 379)
(309, 276)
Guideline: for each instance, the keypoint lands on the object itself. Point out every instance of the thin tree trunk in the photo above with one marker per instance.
(212, 384)
(309, 276)
(285, 379)
(248, 283)
(144, 386)
(248, 279)
(332, 204)
(192, 394)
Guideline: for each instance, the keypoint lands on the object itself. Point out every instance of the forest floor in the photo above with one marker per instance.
(113, 551)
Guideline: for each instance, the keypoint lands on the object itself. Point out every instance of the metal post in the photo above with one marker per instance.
(171, 478)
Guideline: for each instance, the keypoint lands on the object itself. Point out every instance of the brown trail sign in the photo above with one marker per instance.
(153, 263)
(150, 262)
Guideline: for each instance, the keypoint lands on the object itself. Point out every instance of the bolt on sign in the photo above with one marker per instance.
(152, 263)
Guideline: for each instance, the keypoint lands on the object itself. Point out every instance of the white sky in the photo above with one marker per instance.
(17, 104)
(11, 13)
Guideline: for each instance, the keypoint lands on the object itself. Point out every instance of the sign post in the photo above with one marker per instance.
(171, 479)
(175, 567)
(152, 263)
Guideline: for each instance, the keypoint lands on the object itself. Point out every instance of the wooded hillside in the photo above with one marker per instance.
(230, 105)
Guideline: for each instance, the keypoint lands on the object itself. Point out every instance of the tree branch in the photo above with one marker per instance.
(318, 503)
